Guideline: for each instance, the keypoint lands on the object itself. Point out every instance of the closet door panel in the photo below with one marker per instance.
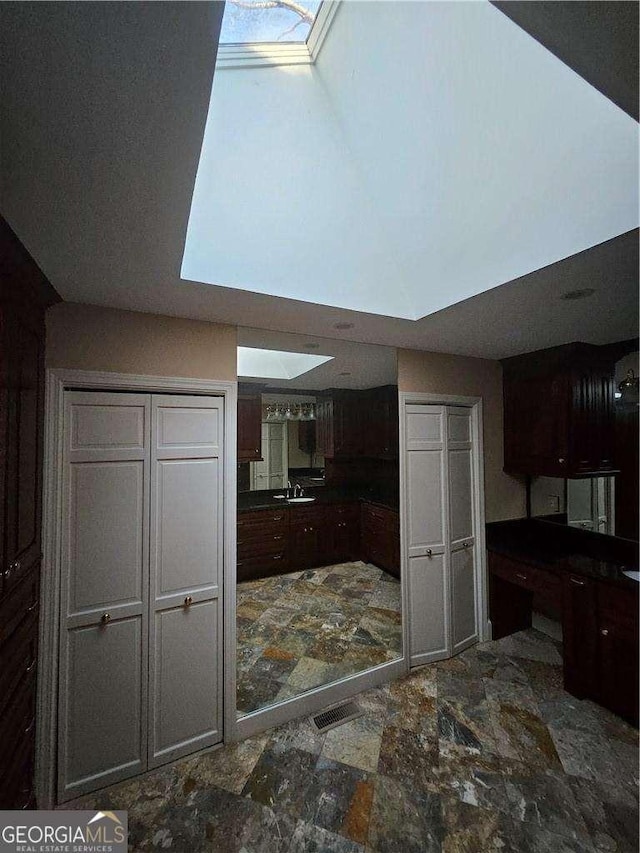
(460, 495)
(185, 679)
(463, 598)
(426, 487)
(104, 595)
(106, 526)
(428, 609)
(102, 706)
(187, 534)
(185, 663)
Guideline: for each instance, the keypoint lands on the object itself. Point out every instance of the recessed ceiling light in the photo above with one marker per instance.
(311, 346)
(343, 325)
(578, 294)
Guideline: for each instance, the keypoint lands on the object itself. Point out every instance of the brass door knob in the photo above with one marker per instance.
(188, 601)
(106, 617)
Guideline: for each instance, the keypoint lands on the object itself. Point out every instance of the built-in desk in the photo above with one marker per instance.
(579, 577)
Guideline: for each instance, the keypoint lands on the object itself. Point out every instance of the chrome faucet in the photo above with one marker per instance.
(288, 488)
(296, 493)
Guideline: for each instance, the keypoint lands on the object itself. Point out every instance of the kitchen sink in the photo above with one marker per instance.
(300, 500)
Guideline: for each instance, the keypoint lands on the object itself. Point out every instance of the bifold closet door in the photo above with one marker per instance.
(186, 558)
(427, 530)
(464, 624)
(104, 590)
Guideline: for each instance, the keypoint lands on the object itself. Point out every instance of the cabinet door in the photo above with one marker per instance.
(307, 546)
(24, 399)
(185, 645)
(104, 557)
(618, 651)
(428, 571)
(579, 636)
(461, 529)
(249, 427)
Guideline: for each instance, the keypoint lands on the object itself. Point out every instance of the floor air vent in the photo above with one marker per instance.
(337, 716)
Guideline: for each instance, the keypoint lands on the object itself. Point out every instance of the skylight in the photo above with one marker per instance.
(276, 364)
(273, 32)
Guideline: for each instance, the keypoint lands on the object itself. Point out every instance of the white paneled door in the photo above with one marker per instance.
(141, 556)
(440, 531)
(185, 695)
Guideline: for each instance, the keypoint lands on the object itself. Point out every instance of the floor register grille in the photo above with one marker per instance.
(337, 716)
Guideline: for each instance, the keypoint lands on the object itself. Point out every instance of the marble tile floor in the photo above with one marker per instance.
(304, 629)
(483, 752)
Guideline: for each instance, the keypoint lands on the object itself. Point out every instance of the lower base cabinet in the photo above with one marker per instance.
(599, 628)
(294, 539)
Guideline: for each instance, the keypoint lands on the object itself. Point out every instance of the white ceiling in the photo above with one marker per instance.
(102, 129)
(434, 151)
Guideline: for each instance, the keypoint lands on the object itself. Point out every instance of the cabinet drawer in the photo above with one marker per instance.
(262, 566)
(302, 515)
(254, 523)
(267, 543)
(344, 512)
(20, 603)
(526, 576)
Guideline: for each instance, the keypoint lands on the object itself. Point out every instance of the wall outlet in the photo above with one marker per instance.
(554, 503)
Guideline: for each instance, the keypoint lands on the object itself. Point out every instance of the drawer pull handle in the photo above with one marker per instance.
(429, 552)
(605, 632)
(31, 665)
(278, 557)
(466, 544)
(239, 542)
(105, 618)
(32, 607)
(30, 727)
(277, 518)
(276, 538)
(188, 601)
(577, 582)
(522, 577)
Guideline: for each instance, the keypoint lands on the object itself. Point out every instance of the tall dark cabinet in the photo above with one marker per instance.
(558, 412)
(25, 294)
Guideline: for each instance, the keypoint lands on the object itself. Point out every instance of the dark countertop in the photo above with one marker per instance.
(324, 495)
(565, 549)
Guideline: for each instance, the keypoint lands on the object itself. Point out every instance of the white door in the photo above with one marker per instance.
(428, 572)
(464, 623)
(271, 471)
(103, 608)
(185, 644)
(442, 574)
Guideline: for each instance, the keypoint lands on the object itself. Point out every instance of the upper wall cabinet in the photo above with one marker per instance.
(249, 427)
(354, 424)
(558, 412)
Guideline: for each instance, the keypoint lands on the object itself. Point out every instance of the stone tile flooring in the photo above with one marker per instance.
(304, 629)
(482, 752)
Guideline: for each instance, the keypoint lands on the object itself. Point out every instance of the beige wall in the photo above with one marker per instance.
(87, 337)
(432, 372)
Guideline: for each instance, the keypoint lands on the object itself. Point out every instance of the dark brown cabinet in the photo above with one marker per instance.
(356, 424)
(558, 412)
(380, 533)
(579, 635)
(380, 423)
(24, 295)
(599, 627)
(262, 543)
(249, 427)
(617, 652)
(307, 537)
(342, 527)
